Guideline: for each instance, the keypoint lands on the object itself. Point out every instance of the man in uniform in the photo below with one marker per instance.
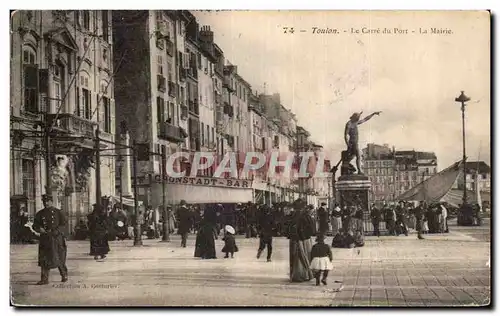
(376, 217)
(266, 225)
(52, 246)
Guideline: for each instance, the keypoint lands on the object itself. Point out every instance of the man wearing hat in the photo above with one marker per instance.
(52, 246)
(351, 136)
(185, 222)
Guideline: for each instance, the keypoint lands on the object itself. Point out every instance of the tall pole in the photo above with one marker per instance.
(97, 168)
(464, 198)
(120, 168)
(462, 98)
(166, 213)
(137, 235)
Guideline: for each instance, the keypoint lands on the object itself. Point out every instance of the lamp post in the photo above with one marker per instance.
(462, 99)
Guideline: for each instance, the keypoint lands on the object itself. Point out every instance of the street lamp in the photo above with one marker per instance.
(462, 99)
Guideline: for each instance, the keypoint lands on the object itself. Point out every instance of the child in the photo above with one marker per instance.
(321, 259)
(425, 226)
(229, 242)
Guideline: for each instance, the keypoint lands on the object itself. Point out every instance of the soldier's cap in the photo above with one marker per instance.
(47, 197)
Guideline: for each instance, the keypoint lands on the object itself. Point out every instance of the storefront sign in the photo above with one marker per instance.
(214, 182)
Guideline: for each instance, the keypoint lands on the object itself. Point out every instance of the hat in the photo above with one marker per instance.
(47, 197)
(229, 229)
(323, 204)
(183, 202)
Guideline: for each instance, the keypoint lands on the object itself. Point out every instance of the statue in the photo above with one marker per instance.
(351, 140)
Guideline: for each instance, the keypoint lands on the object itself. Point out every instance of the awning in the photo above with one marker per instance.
(197, 194)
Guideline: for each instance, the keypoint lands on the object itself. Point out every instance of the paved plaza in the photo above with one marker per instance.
(442, 270)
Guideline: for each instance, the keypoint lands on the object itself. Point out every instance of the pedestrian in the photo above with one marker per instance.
(299, 236)
(419, 213)
(321, 260)
(322, 219)
(390, 219)
(205, 239)
(336, 220)
(266, 225)
(376, 217)
(98, 226)
(185, 222)
(230, 246)
(401, 217)
(52, 249)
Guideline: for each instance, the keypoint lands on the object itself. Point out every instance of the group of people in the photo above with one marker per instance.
(424, 218)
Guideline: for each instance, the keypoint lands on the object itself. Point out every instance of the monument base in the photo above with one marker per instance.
(352, 193)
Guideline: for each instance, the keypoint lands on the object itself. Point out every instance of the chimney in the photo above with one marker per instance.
(206, 35)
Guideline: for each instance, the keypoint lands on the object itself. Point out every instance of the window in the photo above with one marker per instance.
(105, 25)
(59, 83)
(86, 20)
(30, 76)
(170, 111)
(213, 134)
(107, 114)
(160, 109)
(202, 135)
(199, 61)
(160, 65)
(29, 183)
(208, 135)
(87, 103)
(170, 70)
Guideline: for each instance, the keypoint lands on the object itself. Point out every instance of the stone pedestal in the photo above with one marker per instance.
(352, 190)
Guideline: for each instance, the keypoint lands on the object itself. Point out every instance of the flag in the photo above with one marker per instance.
(434, 188)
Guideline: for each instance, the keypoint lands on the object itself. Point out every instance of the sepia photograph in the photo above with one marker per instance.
(244, 158)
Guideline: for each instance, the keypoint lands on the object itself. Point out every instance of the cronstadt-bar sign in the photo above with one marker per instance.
(215, 182)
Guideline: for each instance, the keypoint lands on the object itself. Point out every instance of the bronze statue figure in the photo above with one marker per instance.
(351, 140)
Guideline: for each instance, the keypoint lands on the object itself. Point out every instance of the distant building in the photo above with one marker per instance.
(395, 172)
(476, 171)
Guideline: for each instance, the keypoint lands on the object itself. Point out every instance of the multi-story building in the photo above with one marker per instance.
(395, 172)
(148, 95)
(62, 75)
(207, 91)
(476, 171)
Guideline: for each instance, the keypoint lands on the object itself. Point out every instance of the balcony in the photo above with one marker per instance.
(184, 112)
(73, 125)
(171, 132)
(227, 84)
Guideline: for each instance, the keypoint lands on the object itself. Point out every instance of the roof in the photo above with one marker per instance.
(480, 166)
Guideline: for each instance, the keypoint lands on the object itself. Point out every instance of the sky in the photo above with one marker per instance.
(412, 78)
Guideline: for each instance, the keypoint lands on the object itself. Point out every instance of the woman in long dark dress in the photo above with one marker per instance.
(205, 239)
(299, 235)
(98, 228)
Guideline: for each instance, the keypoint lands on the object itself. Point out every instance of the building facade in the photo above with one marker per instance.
(477, 171)
(149, 96)
(62, 77)
(394, 172)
